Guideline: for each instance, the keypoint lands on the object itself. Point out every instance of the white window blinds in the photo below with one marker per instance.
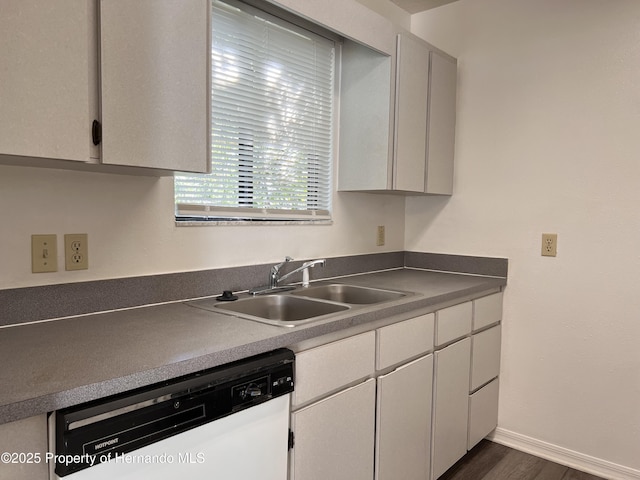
(272, 88)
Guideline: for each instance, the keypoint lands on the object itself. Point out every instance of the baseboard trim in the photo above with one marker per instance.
(564, 456)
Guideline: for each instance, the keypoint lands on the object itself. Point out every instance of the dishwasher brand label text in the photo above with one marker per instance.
(107, 443)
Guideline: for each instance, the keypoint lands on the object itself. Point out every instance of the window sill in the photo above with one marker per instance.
(227, 223)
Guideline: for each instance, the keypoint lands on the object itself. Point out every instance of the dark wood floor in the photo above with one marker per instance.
(491, 461)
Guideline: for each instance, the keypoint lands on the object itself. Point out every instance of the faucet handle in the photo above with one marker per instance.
(287, 258)
(277, 267)
(273, 273)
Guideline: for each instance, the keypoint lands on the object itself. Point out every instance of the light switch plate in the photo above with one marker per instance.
(44, 253)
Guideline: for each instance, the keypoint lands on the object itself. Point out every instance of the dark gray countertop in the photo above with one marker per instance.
(55, 364)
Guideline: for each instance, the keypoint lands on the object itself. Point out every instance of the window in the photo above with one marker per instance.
(272, 94)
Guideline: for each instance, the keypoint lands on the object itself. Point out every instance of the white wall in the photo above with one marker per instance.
(548, 141)
(132, 231)
(389, 10)
(130, 219)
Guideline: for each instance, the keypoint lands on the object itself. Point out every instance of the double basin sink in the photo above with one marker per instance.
(306, 305)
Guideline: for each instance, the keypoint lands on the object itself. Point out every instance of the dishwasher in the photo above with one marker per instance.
(225, 423)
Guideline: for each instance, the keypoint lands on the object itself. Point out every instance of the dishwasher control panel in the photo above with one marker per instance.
(250, 391)
(276, 383)
(101, 430)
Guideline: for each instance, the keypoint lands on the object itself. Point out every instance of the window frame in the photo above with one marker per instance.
(260, 216)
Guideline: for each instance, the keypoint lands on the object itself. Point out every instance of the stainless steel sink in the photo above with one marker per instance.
(282, 310)
(304, 305)
(349, 294)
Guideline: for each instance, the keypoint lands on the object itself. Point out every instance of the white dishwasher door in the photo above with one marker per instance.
(252, 442)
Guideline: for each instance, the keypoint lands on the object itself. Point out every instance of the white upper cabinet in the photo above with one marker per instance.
(425, 118)
(154, 72)
(412, 81)
(139, 68)
(366, 113)
(406, 146)
(46, 60)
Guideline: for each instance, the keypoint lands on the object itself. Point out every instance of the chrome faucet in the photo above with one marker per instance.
(275, 278)
(275, 270)
(304, 268)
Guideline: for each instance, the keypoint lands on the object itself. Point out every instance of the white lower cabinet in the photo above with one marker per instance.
(403, 421)
(403, 402)
(333, 417)
(465, 392)
(334, 437)
(26, 443)
(450, 405)
(483, 384)
(403, 426)
(378, 429)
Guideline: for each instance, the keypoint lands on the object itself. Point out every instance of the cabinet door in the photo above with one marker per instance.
(154, 83)
(451, 405)
(45, 62)
(442, 124)
(411, 114)
(366, 112)
(27, 436)
(403, 435)
(334, 438)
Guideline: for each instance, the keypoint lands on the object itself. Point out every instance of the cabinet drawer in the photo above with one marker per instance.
(453, 322)
(483, 413)
(325, 369)
(485, 363)
(404, 340)
(487, 310)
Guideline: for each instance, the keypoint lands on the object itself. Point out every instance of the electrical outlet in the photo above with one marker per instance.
(76, 251)
(549, 244)
(380, 236)
(44, 253)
